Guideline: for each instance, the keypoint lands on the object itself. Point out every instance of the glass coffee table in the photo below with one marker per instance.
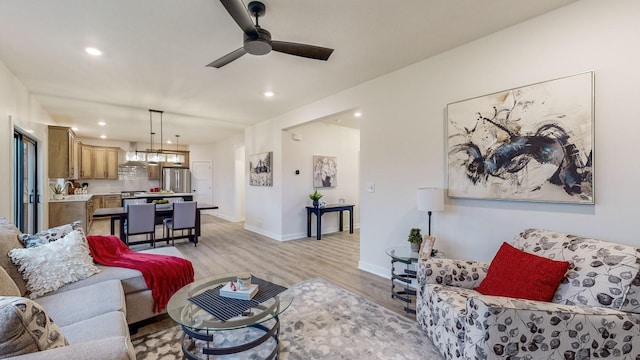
(214, 325)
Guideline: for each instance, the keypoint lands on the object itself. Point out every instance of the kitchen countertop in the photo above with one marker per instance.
(159, 194)
(69, 198)
(87, 197)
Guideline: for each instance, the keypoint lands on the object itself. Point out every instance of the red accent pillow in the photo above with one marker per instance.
(518, 274)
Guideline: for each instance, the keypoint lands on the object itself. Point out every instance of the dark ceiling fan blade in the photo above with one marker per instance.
(240, 14)
(228, 58)
(304, 50)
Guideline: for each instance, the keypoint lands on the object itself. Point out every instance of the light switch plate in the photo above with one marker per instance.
(371, 187)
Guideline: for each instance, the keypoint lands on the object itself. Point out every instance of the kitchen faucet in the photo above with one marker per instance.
(70, 184)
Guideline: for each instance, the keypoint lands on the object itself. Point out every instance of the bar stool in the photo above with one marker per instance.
(141, 219)
(183, 218)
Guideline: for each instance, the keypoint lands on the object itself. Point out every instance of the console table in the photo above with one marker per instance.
(319, 211)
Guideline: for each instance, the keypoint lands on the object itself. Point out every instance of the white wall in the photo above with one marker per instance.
(19, 109)
(227, 160)
(317, 139)
(402, 138)
(263, 210)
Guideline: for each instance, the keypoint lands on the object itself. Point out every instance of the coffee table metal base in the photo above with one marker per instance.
(190, 336)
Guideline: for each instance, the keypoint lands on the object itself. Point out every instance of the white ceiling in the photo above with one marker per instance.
(155, 52)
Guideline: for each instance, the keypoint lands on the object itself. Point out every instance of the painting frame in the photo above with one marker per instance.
(529, 143)
(426, 247)
(325, 171)
(261, 169)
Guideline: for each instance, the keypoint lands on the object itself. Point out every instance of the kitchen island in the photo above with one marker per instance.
(71, 208)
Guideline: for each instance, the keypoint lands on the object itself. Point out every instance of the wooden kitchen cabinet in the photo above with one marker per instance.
(98, 162)
(66, 212)
(105, 163)
(86, 161)
(106, 201)
(98, 201)
(112, 201)
(62, 153)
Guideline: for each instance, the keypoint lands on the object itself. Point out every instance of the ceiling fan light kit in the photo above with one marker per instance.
(257, 41)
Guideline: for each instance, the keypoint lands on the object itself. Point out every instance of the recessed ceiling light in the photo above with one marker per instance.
(268, 93)
(168, 141)
(357, 114)
(102, 123)
(103, 136)
(93, 51)
(75, 128)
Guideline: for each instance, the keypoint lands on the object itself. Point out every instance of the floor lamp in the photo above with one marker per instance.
(429, 200)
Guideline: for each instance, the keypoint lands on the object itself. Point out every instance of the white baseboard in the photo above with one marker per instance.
(262, 232)
(302, 235)
(227, 217)
(375, 269)
(295, 236)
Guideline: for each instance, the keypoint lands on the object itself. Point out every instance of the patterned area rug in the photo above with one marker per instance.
(323, 322)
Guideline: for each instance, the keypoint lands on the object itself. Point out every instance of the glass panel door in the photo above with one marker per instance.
(26, 183)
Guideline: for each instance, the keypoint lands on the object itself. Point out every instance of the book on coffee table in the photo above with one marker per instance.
(228, 291)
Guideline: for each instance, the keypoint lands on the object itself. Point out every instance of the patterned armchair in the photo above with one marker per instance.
(595, 312)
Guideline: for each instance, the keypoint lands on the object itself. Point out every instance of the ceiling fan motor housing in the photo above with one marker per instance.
(260, 45)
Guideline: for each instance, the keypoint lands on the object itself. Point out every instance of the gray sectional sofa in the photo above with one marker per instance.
(93, 314)
(594, 313)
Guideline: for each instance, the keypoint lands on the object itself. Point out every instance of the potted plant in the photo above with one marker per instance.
(415, 238)
(315, 197)
(58, 191)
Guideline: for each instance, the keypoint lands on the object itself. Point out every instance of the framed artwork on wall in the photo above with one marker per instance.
(260, 171)
(532, 143)
(325, 171)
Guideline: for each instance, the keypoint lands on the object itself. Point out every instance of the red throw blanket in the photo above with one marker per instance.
(163, 274)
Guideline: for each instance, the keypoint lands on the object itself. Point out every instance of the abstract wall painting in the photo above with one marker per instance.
(325, 171)
(260, 170)
(532, 143)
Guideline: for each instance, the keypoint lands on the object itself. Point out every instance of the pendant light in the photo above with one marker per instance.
(154, 157)
(178, 161)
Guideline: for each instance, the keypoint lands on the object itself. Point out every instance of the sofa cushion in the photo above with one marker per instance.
(97, 299)
(99, 327)
(49, 235)
(600, 274)
(50, 266)
(8, 241)
(25, 328)
(7, 286)
(132, 280)
(518, 274)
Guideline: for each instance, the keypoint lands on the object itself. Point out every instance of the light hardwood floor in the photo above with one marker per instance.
(227, 247)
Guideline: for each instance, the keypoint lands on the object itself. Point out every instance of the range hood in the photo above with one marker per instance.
(134, 159)
(133, 164)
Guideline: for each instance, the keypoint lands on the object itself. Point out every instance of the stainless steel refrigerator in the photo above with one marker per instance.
(177, 179)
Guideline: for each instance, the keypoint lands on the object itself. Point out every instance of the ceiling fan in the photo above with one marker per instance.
(257, 41)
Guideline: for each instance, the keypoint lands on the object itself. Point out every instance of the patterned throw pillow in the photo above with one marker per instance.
(517, 274)
(49, 235)
(26, 328)
(48, 267)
